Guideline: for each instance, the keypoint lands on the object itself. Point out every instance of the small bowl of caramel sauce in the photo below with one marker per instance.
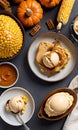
(9, 74)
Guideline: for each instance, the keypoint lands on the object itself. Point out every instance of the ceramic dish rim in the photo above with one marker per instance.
(16, 69)
(42, 35)
(63, 89)
(32, 99)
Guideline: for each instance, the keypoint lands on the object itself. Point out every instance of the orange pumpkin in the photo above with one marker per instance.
(29, 12)
(49, 3)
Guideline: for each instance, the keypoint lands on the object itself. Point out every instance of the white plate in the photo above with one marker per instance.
(49, 37)
(8, 117)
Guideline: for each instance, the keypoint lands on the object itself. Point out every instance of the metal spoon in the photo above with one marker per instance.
(18, 117)
(22, 122)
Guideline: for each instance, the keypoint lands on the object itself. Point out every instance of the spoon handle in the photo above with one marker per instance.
(25, 126)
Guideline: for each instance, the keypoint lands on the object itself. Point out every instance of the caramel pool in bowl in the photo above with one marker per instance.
(43, 115)
(8, 74)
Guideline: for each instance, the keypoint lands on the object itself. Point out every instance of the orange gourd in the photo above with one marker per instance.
(49, 3)
(29, 12)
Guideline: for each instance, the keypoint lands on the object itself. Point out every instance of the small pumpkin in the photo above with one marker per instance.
(29, 12)
(49, 3)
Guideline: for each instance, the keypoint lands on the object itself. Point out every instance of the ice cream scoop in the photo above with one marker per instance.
(15, 104)
(58, 103)
(50, 59)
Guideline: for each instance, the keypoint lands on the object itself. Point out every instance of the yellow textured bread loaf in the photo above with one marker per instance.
(11, 37)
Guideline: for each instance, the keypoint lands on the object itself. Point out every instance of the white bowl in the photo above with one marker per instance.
(17, 76)
(10, 118)
(50, 37)
(75, 23)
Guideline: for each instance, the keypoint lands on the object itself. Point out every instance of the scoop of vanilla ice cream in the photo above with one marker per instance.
(51, 59)
(16, 104)
(58, 103)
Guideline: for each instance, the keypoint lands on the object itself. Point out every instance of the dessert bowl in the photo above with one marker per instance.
(14, 34)
(50, 37)
(9, 74)
(43, 115)
(74, 28)
(9, 117)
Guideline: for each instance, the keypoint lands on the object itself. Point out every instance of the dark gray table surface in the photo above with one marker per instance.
(38, 88)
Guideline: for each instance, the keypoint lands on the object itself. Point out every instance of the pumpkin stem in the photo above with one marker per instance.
(29, 12)
(50, 1)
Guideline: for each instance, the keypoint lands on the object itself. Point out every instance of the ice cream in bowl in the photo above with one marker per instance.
(51, 59)
(57, 104)
(17, 104)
